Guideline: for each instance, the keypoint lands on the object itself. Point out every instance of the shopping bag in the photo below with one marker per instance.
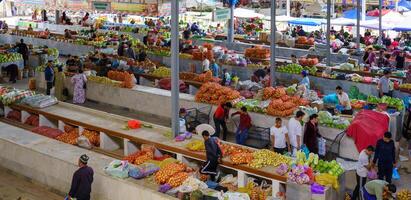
(117, 169)
(395, 174)
(321, 146)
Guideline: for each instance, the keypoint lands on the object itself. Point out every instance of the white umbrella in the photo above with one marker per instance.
(245, 13)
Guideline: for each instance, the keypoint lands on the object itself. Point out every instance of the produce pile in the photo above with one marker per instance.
(326, 119)
(405, 86)
(297, 69)
(139, 157)
(10, 57)
(281, 104)
(69, 136)
(390, 101)
(196, 145)
(230, 149)
(47, 131)
(404, 194)
(206, 77)
(162, 72)
(92, 136)
(32, 120)
(308, 61)
(188, 76)
(53, 52)
(241, 158)
(126, 78)
(14, 115)
(305, 40)
(253, 105)
(164, 174)
(265, 157)
(257, 53)
(214, 93)
(104, 80)
(319, 165)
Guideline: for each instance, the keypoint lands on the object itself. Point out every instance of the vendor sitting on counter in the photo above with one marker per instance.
(305, 81)
(294, 59)
(344, 101)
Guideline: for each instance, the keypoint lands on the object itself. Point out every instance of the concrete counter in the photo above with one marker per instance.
(52, 163)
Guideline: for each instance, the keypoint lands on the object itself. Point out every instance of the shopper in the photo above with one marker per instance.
(369, 57)
(400, 60)
(182, 119)
(243, 127)
(80, 84)
(82, 180)
(206, 65)
(377, 189)
(13, 71)
(130, 52)
(220, 117)
(213, 154)
(311, 134)
(305, 81)
(279, 137)
(120, 50)
(344, 101)
(295, 131)
(49, 76)
(214, 68)
(23, 49)
(385, 156)
(59, 85)
(363, 167)
(384, 84)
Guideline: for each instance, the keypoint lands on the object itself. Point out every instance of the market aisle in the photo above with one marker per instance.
(14, 187)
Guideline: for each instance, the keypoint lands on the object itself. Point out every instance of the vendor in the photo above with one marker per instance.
(142, 55)
(258, 75)
(67, 34)
(400, 60)
(206, 65)
(369, 57)
(384, 84)
(30, 28)
(85, 18)
(305, 81)
(378, 189)
(294, 59)
(195, 28)
(344, 101)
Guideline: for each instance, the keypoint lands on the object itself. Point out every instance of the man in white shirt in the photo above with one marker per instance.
(362, 168)
(279, 137)
(206, 65)
(295, 130)
(344, 101)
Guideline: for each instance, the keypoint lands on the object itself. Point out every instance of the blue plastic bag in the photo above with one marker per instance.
(305, 150)
(395, 174)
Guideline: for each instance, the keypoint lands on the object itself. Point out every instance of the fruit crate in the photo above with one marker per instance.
(197, 116)
(258, 137)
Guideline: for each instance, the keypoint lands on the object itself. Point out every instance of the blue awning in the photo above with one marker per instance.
(306, 21)
(403, 3)
(352, 14)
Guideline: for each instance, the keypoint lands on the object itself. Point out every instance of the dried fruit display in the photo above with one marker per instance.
(257, 53)
(125, 77)
(168, 171)
(92, 136)
(229, 149)
(241, 158)
(69, 138)
(188, 76)
(214, 93)
(177, 179)
(271, 92)
(404, 194)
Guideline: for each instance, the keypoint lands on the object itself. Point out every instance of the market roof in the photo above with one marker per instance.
(246, 13)
(307, 21)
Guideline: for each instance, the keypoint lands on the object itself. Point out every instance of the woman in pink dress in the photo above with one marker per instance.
(79, 81)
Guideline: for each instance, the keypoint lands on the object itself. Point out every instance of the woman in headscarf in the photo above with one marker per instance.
(311, 134)
(59, 85)
(79, 81)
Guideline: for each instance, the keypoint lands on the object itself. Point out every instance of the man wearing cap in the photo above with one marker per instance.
(82, 180)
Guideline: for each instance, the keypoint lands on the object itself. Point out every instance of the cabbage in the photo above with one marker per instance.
(347, 66)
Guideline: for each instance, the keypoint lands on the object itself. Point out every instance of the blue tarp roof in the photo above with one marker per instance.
(306, 21)
(403, 3)
(352, 14)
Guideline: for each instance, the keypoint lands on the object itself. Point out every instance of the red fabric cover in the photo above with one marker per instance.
(47, 131)
(165, 84)
(367, 127)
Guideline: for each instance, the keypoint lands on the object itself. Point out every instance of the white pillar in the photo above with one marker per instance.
(363, 9)
(288, 8)
(358, 23)
(230, 32)
(43, 121)
(272, 42)
(241, 178)
(380, 22)
(24, 116)
(175, 88)
(328, 46)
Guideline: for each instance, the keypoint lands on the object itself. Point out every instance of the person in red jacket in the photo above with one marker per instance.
(245, 124)
(220, 117)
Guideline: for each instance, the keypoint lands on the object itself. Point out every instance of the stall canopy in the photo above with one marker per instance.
(352, 14)
(389, 21)
(403, 3)
(246, 13)
(307, 21)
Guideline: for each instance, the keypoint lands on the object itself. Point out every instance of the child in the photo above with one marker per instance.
(279, 137)
(182, 115)
(243, 127)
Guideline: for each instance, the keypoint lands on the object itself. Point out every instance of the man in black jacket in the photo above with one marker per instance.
(385, 155)
(213, 154)
(82, 180)
(23, 49)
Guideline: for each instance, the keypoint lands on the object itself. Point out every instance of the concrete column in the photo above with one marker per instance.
(358, 23)
(175, 88)
(43, 121)
(230, 32)
(328, 33)
(380, 22)
(129, 147)
(24, 116)
(272, 42)
(6, 110)
(108, 143)
(288, 8)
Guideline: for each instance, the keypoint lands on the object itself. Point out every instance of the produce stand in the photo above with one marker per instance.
(114, 139)
(64, 48)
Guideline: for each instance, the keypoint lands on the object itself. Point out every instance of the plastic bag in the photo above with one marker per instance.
(236, 196)
(331, 99)
(117, 168)
(317, 189)
(82, 141)
(327, 180)
(191, 184)
(395, 174)
(372, 175)
(321, 146)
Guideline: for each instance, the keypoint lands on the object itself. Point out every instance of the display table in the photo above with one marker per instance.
(52, 163)
(64, 48)
(113, 138)
(147, 100)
